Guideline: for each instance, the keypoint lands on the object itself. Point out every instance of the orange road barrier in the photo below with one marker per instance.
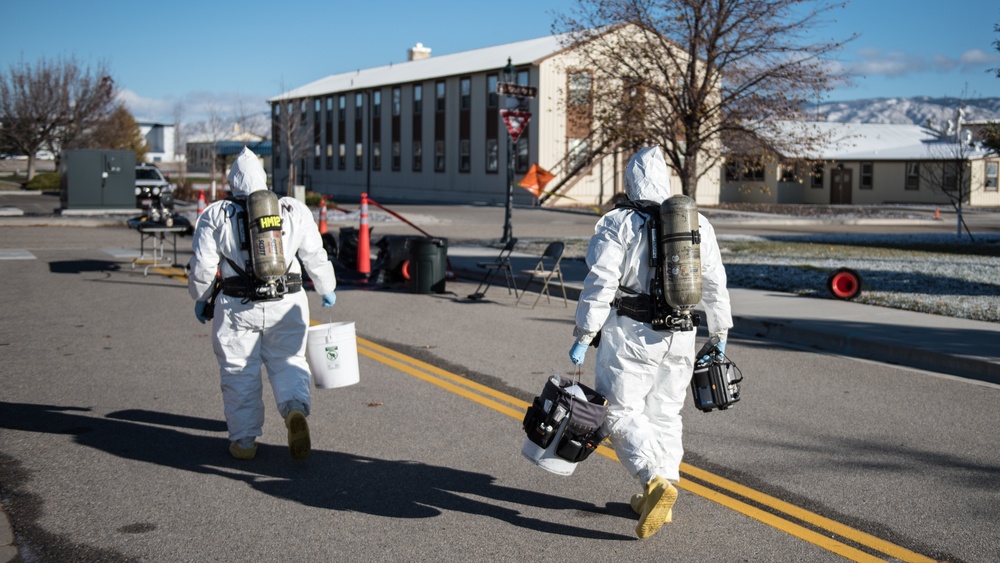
(201, 201)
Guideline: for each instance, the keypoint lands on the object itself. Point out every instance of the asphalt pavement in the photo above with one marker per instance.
(945, 345)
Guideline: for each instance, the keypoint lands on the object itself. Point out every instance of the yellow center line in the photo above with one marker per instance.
(485, 396)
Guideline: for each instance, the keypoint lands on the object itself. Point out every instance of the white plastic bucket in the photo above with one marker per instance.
(547, 458)
(332, 352)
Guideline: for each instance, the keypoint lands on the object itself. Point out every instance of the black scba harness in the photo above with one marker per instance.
(652, 307)
(245, 284)
(581, 421)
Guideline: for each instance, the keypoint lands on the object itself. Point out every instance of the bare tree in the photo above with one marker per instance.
(292, 136)
(86, 99)
(180, 138)
(949, 172)
(29, 107)
(54, 104)
(217, 128)
(689, 74)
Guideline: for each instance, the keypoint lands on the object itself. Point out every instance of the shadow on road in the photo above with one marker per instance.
(328, 480)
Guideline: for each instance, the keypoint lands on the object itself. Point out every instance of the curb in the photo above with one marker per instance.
(857, 347)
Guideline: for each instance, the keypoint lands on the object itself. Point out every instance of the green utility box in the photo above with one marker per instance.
(97, 179)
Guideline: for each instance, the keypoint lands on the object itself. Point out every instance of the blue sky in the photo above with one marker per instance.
(218, 54)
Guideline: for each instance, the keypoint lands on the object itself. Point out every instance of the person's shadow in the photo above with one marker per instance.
(331, 480)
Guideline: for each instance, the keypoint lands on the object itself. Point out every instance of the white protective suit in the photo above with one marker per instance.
(249, 334)
(644, 373)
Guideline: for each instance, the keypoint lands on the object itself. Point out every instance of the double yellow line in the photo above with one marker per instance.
(803, 524)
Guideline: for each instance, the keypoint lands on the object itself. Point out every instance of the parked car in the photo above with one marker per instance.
(154, 194)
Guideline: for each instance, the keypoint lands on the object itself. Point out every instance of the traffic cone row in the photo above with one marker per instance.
(201, 201)
(322, 216)
(364, 256)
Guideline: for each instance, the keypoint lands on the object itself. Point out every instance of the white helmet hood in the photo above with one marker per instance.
(647, 176)
(247, 174)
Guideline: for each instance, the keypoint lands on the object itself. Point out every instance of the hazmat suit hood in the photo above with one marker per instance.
(647, 176)
(247, 174)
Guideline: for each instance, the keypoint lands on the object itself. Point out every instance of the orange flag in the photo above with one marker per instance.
(536, 178)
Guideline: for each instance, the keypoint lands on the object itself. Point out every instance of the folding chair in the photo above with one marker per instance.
(500, 263)
(546, 268)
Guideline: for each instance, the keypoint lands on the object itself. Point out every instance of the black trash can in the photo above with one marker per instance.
(428, 264)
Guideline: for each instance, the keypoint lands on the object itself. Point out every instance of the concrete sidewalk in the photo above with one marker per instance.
(936, 343)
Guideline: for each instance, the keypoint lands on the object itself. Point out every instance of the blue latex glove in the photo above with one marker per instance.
(721, 346)
(329, 299)
(577, 352)
(199, 311)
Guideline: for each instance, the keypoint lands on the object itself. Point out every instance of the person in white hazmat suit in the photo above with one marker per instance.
(248, 334)
(642, 372)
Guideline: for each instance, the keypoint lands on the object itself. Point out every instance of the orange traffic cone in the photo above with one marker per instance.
(322, 216)
(364, 256)
(937, 213)
(201, 201)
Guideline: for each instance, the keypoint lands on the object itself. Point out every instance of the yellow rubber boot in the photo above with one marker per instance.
(240, 452)
(657, 506)
(636, 502)
(298, 434)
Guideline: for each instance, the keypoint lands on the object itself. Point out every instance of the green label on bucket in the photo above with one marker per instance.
(332, 354)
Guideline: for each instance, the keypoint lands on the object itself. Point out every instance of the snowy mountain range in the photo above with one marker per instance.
(915, 110)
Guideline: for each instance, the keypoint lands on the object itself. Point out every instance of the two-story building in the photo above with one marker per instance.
(431, 129)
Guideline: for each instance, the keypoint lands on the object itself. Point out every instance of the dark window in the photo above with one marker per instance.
(465, 93)
(439, 96)
(913, 175)
(418, 156)
(464, 155)
(949, 180)
(492, 155)
(377, 104)
(732, 171)
(376, 156)
(341, 156)
(521, 166)
(418, 99)
(395, 155)
(992, 176)
(753, 171)
(789, 172)
(396, 100)
(817, 176)
(867, 175)
(439, 156)
(491, 91)
(342, 104)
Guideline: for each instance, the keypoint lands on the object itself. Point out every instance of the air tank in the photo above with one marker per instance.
(680, 243)
(266, 252)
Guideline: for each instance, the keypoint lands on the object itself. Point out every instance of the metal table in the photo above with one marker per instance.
(157, 232)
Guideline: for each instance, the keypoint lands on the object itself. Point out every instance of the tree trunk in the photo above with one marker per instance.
(31, 167)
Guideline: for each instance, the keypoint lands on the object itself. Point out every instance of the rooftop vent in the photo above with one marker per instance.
(418, 52)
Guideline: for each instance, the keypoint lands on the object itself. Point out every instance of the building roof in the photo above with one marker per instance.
(230, 148)
(531, 51)
(882, 141)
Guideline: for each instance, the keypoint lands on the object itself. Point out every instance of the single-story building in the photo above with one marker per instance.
(868, 163)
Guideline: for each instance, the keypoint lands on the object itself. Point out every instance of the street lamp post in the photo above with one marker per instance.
(509, 75)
